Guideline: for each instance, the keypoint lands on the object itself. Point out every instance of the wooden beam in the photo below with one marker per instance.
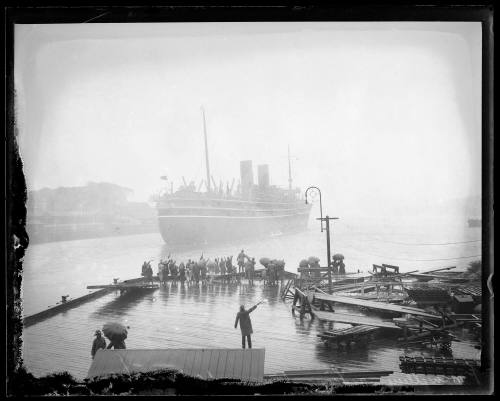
(375, 305)
(353, 319)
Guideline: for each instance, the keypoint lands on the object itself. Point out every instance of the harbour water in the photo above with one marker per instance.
(194, 317)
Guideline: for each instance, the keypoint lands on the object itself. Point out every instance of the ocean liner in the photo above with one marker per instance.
(189, 216)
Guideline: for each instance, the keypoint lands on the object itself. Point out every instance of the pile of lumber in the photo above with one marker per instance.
(428, 295)
(437, 365)
(355, 334)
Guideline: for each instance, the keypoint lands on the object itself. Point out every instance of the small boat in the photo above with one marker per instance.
(474, 222)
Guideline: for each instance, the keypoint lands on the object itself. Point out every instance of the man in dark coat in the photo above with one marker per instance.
(99, 343)
(243, 317)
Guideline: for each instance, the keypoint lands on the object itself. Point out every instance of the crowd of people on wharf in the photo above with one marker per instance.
(202, 270)
(206, 269)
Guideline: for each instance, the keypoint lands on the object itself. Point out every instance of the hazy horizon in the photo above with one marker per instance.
(383, 117)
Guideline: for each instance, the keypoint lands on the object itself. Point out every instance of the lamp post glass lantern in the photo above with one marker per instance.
(320, 204)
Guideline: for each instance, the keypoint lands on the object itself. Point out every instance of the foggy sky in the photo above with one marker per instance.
(381, 116)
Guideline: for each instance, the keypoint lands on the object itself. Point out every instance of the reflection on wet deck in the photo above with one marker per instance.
(178, 316)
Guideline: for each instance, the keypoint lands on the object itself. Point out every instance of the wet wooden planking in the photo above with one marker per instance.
(171, 319)
(200, 362)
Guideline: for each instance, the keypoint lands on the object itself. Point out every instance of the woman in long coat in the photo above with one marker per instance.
(243, 317)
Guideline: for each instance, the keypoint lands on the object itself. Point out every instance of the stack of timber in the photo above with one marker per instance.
(357, 333)
(439, 277)
(381, 297)
(430, 337)
(475, 321)
(437, 365)
(421, 382)
(474, 290)
(428, 295)
(376, 305)
(354, 319)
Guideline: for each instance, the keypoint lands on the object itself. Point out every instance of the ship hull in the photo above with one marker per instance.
(192, 230)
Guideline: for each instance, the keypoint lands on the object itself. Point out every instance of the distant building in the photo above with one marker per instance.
(94, 210)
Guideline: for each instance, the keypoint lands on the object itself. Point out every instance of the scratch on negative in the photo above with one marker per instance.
(94, 18)
(490, 286)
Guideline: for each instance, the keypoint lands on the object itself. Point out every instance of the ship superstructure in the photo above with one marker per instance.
(189, 216)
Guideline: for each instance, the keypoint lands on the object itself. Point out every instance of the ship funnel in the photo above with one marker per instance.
(246, 173)
(263, 173)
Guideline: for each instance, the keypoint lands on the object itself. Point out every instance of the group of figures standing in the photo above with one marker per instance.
(274, 270)
(337, 264)
(202, 270)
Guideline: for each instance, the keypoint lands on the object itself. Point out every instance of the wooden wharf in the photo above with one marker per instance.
(206, 363)
(125, 286)
(139, 283)
(67, 304)
(62, 307)
(375, 305)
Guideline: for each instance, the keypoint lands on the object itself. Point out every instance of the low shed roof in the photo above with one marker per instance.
(244, 364)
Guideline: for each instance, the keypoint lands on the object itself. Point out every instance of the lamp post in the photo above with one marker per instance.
(327, 220)
(328, 257)
(320, 204)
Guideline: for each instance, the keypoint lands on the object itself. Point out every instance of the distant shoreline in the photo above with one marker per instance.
(79, 234)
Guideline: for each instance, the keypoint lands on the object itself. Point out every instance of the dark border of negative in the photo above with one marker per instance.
(32, 12)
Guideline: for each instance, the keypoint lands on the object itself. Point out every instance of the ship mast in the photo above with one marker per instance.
(289, 170)
(206, 149)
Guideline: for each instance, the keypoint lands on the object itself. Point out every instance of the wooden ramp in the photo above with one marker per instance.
(354, 319)
(125, 286)
(374, 305)
(243, 364)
